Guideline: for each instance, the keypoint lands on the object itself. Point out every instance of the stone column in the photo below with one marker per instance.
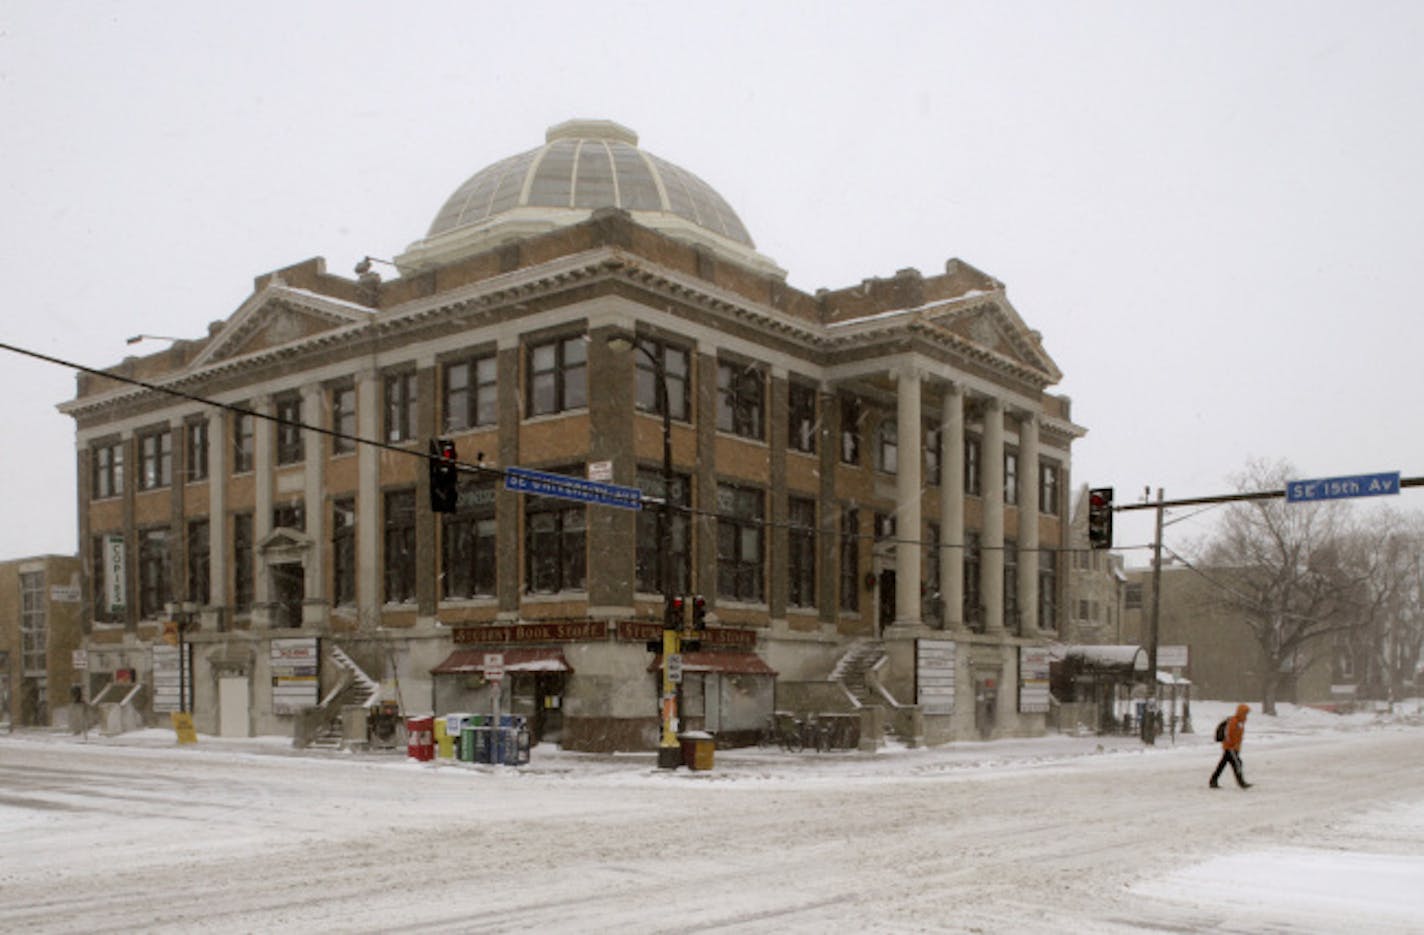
(315, 603)
(368, 500)
(951, 517)
(908, 483)
(263, 461)
(991, 562)
(1028, 523)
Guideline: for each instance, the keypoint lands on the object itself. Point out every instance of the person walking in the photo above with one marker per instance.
(1231, 747)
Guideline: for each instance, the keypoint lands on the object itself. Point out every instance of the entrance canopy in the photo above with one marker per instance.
(743, 663)
(468, 661)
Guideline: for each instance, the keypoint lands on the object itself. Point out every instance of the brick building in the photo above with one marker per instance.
(39, 631)
(876, 471)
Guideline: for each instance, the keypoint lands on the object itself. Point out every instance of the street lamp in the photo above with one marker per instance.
(182, 617)
(669, 752)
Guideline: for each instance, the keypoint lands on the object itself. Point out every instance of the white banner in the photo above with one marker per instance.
(294, 675)
(934, 676)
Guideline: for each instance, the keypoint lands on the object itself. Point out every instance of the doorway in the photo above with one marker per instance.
(288, 593)
(885, 601)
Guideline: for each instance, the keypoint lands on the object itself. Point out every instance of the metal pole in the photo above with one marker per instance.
(669, 753)
(1149, 723)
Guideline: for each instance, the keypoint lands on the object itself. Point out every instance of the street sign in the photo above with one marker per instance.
(494, 667)
(79, 659)
(544, 484)
(674, 667)
(1339, 488)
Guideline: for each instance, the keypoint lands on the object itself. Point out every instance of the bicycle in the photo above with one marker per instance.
(784, 730)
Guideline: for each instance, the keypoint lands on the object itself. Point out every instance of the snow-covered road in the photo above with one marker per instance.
(1054, 835)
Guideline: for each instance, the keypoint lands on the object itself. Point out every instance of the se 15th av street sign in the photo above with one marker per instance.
(1339, 488)
(544, 484)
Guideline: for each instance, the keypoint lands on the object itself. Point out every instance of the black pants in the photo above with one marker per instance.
(1233, 758)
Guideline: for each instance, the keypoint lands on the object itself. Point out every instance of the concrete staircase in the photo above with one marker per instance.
(855, 668)
(354, 687)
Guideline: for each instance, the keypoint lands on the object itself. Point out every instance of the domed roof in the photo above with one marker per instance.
(583, 165)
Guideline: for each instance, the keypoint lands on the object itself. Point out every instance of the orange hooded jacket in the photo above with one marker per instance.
(1236, 728)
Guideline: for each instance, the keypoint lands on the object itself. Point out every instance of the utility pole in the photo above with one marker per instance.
(1149, 722)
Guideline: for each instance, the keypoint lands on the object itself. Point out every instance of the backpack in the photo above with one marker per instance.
(1221, 731)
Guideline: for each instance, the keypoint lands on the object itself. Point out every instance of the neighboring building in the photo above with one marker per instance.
(1225, 661)
(876, 469)
(1097, 585)
(40, 627)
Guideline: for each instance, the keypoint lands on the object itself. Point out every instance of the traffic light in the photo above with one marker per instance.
(1100, 517)
(676, 614)
(699, 613)
(444, 476)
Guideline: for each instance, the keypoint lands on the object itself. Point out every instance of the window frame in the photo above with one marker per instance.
(851, 413)
(291, 445)
(343, 419)
(741, 521)
(562, 567)
(197, 543)
(469, 543)
(343, 551)
(848, 560)
(400, 397)
(679, 381)
(196, 450)
(801, 422)
(567, 376)
(106, 471)
(155, 571)
(155, 459)
(648, 550)
(398, 553)
(244, 443)
(475, 403)
(887, 445)
(801, 536)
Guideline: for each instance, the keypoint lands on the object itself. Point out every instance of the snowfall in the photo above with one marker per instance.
(1054, 834)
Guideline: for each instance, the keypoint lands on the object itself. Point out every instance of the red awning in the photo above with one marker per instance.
(742, 663)
(466, 661)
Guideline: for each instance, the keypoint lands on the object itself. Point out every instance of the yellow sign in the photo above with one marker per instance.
(170, 632)
(183, 724)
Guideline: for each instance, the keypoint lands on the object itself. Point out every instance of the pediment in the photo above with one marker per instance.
(284, 544)
(275, 317)
(995, 328)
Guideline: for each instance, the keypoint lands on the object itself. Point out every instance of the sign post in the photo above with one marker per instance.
(494, 674)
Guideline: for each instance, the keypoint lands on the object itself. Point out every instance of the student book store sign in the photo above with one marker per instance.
(571, 631)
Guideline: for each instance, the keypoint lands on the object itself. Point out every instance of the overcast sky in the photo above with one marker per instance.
(1211, 211)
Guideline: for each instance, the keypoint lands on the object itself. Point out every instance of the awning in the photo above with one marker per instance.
(466, 661)
(1104, 656)
(1168, 678)
(735, 663)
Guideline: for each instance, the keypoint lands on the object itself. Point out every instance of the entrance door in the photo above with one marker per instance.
(233, 717)
(886, 599)
(288, 592)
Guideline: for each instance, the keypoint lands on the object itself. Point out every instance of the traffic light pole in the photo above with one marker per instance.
(1149, 723)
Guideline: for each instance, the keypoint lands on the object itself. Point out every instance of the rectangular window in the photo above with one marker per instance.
(850, 430)
(400, 397)
(933, 466)
(801, 417)
(343, 420)
(291, 515)
(470, 393)
(108, 471)
(558, 376)
(242, 562)
(1048, 590)
(741, 560)
(674, 362)
(290, 445)
(1011, 476)
(467, 543)
(343, 551)
(741, 399)
(33, 629)
(801, 552)
(400, 546)
(199, 562)
(1011, 584)
(973, 604)
(556, 543)
(154, 582)
(242, 442)
(1048, 488)
(155, 460)
(196, 434)
(850, 560)
(1132, 596)
(931, 560)
(971, 466)
(887, 446)
(651, 551)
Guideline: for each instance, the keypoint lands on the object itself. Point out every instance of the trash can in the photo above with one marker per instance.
(444, 740)
(420, 737)
(697, 749)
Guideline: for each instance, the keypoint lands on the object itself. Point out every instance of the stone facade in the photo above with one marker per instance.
(802, 435)
(40, 612)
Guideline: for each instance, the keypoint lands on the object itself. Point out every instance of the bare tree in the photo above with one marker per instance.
(1382, 559)
(1287, 580)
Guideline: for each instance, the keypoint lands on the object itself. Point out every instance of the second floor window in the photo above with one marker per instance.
(558, 376)
(400, 547)
(850, 560)
(741, 561)
(343, 420)
(801, 417)
(555, 543)
(400, 407)
(675, 368)
(1011, 477)
(1048, 488)
(291, 515)
(108, 471)
(801, 552)
(933, 462)
(155, 460)
(850, 430)
(242, 574)
(467, 543)
(343, 551)
(470, 394)
(290, 446)
(972, 482)
(196, 462)
(242, 443)
(199, 562)
(651, 551)
(740, 400)
(887, 448)
(154, 587)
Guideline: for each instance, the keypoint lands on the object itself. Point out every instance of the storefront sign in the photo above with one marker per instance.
(114, 573)
(64, 593)
(294, 675)
(566, 631)
(934, 676)
(639, 632)
(1033, 679)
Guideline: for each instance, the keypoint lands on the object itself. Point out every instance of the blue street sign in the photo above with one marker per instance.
(544, 484)
(1337, 488)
